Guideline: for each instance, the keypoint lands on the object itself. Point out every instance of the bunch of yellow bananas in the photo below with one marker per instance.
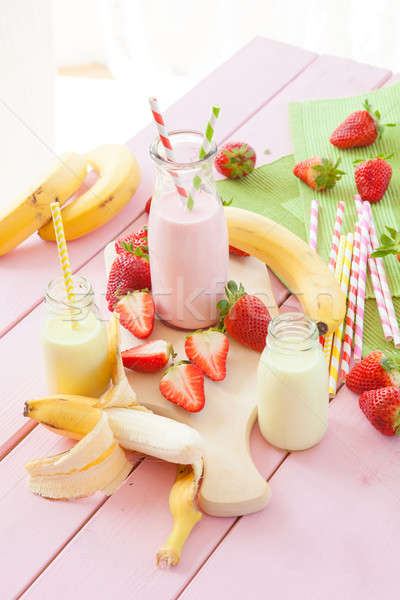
(119, 177)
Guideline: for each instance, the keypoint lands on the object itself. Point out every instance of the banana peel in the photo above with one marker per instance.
(185, 515)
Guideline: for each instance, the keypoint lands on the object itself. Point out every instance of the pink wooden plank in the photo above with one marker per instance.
(327, 77)
(35, 528)
(26, 271)
(330, 529)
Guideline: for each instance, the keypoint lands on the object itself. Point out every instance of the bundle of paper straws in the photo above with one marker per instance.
(349, 259)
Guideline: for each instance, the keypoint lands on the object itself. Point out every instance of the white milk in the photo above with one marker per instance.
(293, 390)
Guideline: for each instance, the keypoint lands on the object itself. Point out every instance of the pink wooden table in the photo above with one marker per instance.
(331, 529)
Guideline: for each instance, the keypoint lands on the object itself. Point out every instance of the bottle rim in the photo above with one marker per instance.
(156, 146)
(56, 296)
(292, 332)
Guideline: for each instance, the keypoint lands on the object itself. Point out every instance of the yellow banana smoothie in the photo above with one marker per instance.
(75, 345)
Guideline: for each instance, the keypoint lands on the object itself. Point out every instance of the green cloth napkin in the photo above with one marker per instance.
(272, 191)
(312, 123)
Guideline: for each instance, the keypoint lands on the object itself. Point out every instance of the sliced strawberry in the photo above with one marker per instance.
(183, 384)
(208, 350)
(238, 252)
(149, 357)
(136, 313)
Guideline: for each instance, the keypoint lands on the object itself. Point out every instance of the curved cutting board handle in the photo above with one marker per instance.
(232, 485)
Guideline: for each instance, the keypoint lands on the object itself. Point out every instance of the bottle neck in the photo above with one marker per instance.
(59, 305)
(291, 333)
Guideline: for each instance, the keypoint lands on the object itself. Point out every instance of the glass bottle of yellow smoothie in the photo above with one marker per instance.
(74, 341)
(293, 386)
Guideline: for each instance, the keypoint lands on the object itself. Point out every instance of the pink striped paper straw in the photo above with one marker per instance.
(166, 142)
(337, 228)
(362, 279)
(380, 301)
(351, 306)
(313, 237)
(380, 265)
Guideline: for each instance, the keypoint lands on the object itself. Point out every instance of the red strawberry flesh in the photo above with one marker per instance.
(149, 357)
(183, 384)
(136, 312)
(208, 350)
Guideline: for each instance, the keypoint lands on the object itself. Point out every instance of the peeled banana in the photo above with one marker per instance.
(119, 177)
(302, 270)
(95, 463)
(28, 213)
(135, 429)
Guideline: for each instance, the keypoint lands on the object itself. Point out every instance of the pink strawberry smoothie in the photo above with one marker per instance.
(188, 259)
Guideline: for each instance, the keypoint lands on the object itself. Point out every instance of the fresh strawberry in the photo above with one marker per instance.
(183, 384)
(130, 271)
(373, 372)
(244, 317)
(208, 350)
(235, 160)
(136, 313)
(319, 173)
(390, 244)
(382, 409)
(148, 204)
(238, 252)
(149, 357)
(361, 128)
(373, 177)
(130, 241)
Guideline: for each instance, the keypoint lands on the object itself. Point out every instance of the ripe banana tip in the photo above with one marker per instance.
(322, 327)
(26, 409)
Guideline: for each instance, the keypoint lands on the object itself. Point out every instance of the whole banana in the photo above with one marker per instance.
(119, 177)
(302, 270)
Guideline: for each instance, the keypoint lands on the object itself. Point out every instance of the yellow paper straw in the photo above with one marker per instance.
(63, 253)
(338, 276)
(337, 341)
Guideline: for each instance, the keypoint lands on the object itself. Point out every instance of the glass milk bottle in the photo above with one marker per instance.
(74, 341)
(293, 386)
(188, 238)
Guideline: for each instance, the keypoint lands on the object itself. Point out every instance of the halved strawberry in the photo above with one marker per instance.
(183, 384)
(136, 313)
(149, 357)
(208, 350)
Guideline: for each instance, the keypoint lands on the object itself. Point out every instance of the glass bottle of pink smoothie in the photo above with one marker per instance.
(188, 238)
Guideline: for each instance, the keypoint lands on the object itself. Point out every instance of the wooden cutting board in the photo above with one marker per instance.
(231, 484)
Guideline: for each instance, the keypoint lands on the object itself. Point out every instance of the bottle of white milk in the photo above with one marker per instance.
(293, 384)
(74, 341)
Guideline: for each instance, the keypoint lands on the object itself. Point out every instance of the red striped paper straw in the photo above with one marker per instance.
(362, 279)
(337, 228)
(313, 236)
(166, 142)
(380, 266)
(351, 306)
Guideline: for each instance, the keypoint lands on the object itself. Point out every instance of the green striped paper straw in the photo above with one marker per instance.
(209, 133)
(204, 150)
